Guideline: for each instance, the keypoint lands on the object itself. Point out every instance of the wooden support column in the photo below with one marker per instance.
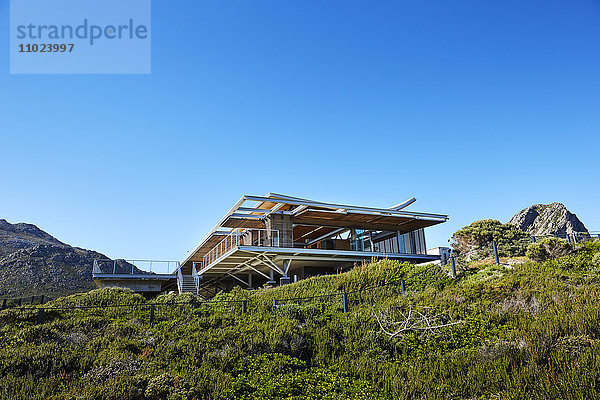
(283, 224)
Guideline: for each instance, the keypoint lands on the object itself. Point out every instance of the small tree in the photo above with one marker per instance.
(480, 233)
(548, 249)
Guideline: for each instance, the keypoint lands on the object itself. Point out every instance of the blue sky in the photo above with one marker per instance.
(477, 108)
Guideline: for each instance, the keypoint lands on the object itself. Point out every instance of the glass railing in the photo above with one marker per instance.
(107, 266)
(247, 237)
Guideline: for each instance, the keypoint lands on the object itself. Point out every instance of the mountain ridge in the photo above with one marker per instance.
(21, 235)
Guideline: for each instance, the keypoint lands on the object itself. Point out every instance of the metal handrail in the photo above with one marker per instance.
(179, 280)
(574, 237)
(196, 278)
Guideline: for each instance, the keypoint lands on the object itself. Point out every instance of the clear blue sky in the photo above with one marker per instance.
(477, 108)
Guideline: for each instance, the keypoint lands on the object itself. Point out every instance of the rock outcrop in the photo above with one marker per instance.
(548, 219)
(32, 262)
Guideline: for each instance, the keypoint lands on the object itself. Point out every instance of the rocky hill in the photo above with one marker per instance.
(548, 219)
(32, 262)
(14, 237)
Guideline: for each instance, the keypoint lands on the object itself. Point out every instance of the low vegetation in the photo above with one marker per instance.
(522, 330)
(548, 249)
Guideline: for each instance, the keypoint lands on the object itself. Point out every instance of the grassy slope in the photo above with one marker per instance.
(531, 331)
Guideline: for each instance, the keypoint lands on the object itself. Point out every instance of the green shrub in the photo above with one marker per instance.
(548, 249)
(596, 259)
(511, 240)
(100, 297)
(169, 387)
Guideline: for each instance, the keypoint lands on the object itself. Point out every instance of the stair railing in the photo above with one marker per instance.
(196, 278)
(179, 280)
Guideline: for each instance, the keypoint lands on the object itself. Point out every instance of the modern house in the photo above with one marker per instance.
(276, 238)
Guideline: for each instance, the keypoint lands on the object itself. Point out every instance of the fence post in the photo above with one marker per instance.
(152, 313)
(345, 301)
(453, 265)
(3, 304)
(40, 316)
(244, 306)
(403, 286)
(495, 246)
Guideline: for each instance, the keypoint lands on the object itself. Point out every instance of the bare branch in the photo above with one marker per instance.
(417, 321)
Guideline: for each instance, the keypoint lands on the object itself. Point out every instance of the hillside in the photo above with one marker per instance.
(32, 262)
(512, 331)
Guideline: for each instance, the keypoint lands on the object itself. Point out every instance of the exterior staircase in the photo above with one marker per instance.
(187, 284)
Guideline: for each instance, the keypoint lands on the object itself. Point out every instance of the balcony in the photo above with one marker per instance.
(338, 242)
(134, 267)
(142, 276)
(247, 237)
